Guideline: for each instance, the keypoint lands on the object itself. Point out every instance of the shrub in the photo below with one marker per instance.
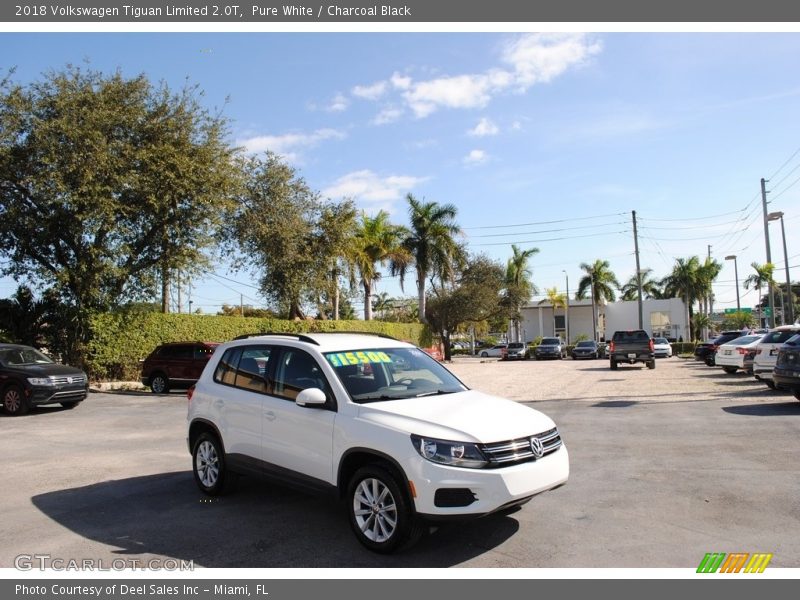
(119, 340)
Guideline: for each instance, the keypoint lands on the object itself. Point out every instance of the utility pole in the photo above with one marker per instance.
(771, 305)
(241, 304)
(638, 269)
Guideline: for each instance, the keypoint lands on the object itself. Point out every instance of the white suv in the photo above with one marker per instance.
(392, 431)
(767, 352)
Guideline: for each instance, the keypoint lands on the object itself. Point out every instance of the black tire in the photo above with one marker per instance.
(770, 384)
(208, 464)
(69, 405)
(14, 401)
(387, 523)
(484, 355)
(796, 394)
(710, 362)
(730, 370)
(651, 364)
(159, 383)
(613, 365)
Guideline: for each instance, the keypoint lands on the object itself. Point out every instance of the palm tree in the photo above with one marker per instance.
(556, 300)
(762, 277)
(601, 281)
(376, 242)
(651, 289)
(706, 274)
(431, 242)
(519, 279)
(381, 305)
(684, 282)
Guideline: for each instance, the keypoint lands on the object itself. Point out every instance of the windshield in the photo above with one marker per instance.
(377, 374)
(23, 356)
(660, 341)
(551, 342)
(585, 345)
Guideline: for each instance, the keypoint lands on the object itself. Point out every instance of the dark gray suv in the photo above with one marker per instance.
(550, 347)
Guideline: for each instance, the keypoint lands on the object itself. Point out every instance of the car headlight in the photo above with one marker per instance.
(454, 454)
(40, 381)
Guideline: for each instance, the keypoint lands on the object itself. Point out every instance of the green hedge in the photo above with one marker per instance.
(120, 340)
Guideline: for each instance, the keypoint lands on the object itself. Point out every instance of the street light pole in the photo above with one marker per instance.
(736, 274)
(566, 309)
(774, 217)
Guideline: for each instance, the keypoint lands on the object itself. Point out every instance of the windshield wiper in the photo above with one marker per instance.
(434, 393)
(377, 398)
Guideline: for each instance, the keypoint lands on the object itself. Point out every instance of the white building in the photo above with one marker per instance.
(663, 318)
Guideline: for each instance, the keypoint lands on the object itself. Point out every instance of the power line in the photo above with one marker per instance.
(788, 160)
(786, 189)
(485, 235)
(569, 220)
(559, 239)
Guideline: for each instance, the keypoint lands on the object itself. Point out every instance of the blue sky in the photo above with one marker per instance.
(544, 140)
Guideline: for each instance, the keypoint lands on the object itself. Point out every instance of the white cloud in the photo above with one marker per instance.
(484, 128)
(368, 187)
(388, 115)
(338, 104)
(526, 60)
(475, 157)
(541, 57)
(401, 82)
(289, 144)
(370, 92)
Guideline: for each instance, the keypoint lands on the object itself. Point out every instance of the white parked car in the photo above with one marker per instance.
(662, 348)
(730, 356)
(767, 352)
(378, 421)
(496, 351)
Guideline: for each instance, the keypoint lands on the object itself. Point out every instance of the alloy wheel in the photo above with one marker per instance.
(375, 510)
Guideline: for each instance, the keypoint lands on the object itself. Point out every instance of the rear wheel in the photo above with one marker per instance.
(770, 384)
(651, 364)
(159, 383)
(380, 512)
(797, 394)
(209, 464)
(730, 370)
(14, 401)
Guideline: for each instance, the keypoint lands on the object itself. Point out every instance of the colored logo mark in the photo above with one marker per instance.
(737, 562)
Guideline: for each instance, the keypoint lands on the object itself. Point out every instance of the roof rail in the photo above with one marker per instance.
(383, 335)
(299, 336)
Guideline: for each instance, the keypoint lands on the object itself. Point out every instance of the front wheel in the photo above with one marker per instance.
(14, 401)
(770, 384)
(730, 370)
(484, 355)
(380, 513)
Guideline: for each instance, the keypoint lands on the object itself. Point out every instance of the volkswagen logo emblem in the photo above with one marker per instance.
(69, 379)
(536, 447)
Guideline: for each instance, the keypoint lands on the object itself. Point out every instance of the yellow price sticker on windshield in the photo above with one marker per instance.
(361, 357)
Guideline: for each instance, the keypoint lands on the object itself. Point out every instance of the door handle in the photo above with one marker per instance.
(269, 415)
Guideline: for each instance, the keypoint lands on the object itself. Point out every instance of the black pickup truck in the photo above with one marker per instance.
(631, 347)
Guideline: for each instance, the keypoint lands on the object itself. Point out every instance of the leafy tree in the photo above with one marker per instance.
(519, 282)
(651, 288)
(24, 317)
(283, 229)
(473, 297)
(247, 311)
(105, 180)
(738, 320)
(377, 242)
(432, 244)
(600, 282)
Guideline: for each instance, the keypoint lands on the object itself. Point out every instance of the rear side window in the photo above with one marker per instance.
(203, 351)
(179, 351)
(245, 367)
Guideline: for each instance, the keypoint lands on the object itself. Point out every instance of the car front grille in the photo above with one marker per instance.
(64, 380)
(503, 454)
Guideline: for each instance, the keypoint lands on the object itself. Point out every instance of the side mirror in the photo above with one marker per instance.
(311, 397)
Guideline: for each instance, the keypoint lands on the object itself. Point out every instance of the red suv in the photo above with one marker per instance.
(176, 365)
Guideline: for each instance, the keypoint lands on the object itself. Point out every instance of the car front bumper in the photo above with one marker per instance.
(55, 394)
(490, 489)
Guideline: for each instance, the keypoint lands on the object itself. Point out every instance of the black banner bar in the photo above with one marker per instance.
(399, 11)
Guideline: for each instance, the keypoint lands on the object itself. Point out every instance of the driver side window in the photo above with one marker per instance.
(297, 371)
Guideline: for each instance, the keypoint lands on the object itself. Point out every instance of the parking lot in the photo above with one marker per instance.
(666, 465)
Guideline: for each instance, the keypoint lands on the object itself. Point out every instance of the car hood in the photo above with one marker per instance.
(468, 416)
(45, 370)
